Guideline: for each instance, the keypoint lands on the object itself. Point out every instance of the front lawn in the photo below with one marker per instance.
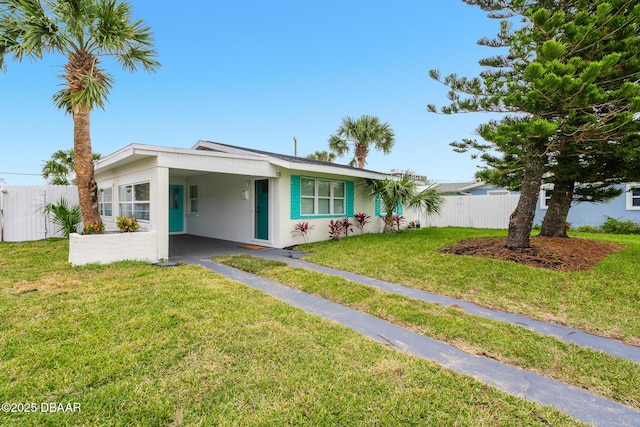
(604, 300)
(135, 344)
(598, 372)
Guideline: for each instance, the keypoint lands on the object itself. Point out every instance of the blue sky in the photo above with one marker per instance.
(256, 74)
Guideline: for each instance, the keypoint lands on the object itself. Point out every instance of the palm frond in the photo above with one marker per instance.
(64, 216)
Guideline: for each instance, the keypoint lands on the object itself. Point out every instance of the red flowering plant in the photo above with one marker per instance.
(347, 226)
(335, 229)
(362, 219)
(302, 229)
(398, 219)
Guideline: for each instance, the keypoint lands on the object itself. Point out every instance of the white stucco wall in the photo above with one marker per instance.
(320, 225)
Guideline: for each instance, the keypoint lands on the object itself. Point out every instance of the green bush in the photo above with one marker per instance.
(127, 224)
(589, 229)
(64, 215)
(615, 226)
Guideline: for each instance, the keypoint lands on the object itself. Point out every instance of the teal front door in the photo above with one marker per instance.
(262, 209)
(176, 208)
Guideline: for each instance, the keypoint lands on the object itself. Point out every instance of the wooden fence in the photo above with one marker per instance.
(490, 211)
(21, 216)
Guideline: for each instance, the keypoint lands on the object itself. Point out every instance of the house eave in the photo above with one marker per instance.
(302, 165)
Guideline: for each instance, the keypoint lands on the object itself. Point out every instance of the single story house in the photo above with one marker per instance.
(624, 207)
(226, 192)
(473, 188)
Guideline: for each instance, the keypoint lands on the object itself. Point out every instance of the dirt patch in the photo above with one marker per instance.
(555, 253)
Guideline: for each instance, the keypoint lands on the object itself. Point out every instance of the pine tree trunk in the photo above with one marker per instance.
(521, 220)
(555, 220)
(87, 187)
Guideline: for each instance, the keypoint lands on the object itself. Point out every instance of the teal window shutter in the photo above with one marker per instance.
(379, 212)
(295, 197)
(350, 197)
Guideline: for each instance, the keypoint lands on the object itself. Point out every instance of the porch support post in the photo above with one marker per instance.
(161, 211)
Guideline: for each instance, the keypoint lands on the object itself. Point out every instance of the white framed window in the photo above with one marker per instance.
(134, 201)
(105, 202)
(193, 199)
(322, 197)
(545, 197)
(633, 197)
(381, 211)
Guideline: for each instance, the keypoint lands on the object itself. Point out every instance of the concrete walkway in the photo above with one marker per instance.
(565, 333)
(573, 401)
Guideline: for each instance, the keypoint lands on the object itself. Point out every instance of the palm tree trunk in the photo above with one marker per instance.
(521, 220)
(361, 151)
(388, 223)
(87, 187)
(555, 220)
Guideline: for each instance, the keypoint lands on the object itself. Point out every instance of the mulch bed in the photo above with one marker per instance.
(555, 253)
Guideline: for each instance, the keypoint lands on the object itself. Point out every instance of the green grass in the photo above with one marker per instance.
(603, 301)
(597, 372)
(142, 345)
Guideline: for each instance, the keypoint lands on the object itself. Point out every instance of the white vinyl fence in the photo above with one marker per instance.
(490, 211)
(21, 216)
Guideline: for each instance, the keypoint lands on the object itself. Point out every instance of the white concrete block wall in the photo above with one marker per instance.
(108, 248)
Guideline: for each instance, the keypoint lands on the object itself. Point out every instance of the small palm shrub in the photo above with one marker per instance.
(63, 215)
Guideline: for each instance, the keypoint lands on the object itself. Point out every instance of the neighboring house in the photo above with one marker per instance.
(623, 207)
(226, 192)
(474, 188)
(452, 188)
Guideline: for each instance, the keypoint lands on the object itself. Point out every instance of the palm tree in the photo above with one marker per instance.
(323, 155)
(83, 31)
(361, 133)
(60, 166)
(64, 215)
(402, 191)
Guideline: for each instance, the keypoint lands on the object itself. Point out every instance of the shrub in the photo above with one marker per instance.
(398, 219)
(95, 228)
(589, 229)
(65, 216)
(302, 229)
(615, 226)
(335, 229)
(127, 224)
(347, 226)
(362, 219)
